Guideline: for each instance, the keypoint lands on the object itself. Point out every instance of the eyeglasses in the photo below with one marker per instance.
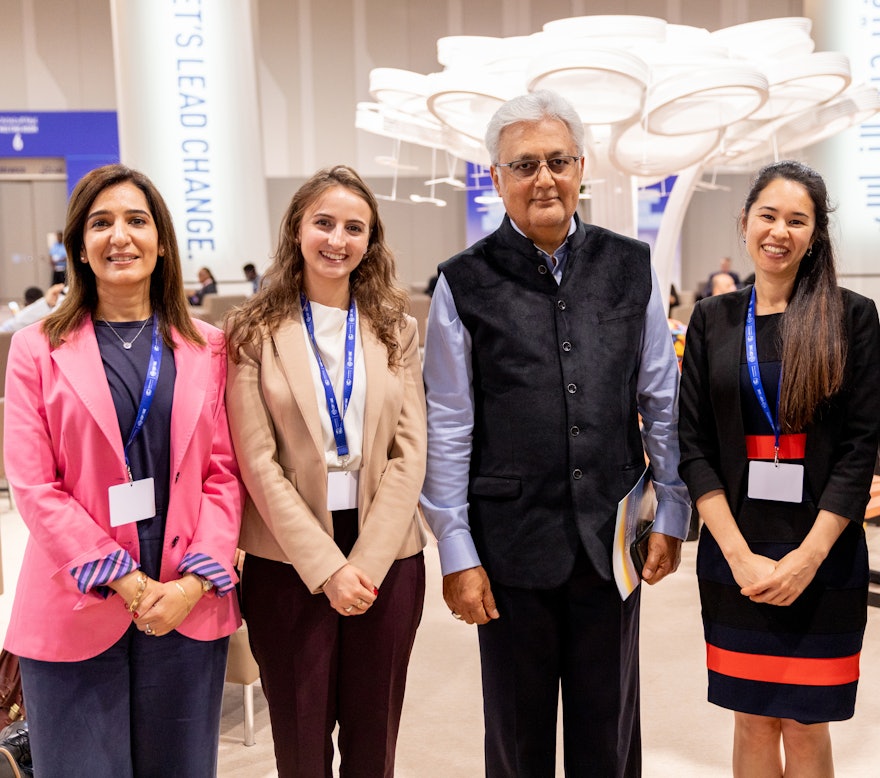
(528, 168)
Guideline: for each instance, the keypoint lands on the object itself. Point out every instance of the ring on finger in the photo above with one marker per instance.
(349, 609)
(149, 630)
(456, 615)
(360, 604)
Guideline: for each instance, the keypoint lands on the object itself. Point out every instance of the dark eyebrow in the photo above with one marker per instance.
(331, 216)
(129, 212)
(776, 210)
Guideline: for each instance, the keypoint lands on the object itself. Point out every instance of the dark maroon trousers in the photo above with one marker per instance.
(318, 668)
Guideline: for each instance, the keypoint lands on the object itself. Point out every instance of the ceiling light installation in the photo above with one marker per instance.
(657, 100)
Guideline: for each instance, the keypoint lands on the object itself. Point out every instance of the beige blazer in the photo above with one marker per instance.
(273, 414)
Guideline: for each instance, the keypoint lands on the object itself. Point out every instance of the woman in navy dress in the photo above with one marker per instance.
(779, 433)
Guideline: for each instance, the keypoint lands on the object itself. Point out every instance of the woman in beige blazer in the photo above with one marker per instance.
(327, 412)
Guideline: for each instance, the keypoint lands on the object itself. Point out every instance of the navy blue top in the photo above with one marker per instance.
(150, 452)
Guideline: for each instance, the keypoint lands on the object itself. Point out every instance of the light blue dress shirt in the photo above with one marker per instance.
(450, 396)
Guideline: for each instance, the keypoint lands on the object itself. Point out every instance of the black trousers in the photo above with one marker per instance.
(318, 668)
(579, 636)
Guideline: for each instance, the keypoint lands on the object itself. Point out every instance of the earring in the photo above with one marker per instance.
(810, 251)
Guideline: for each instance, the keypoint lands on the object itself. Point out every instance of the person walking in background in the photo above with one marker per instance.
(327, 411)
(779, 434)
(118, 452)
(58, 258)
(208, 286)
(534, 438)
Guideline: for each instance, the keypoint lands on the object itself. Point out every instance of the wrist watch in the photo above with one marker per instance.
(206, 584)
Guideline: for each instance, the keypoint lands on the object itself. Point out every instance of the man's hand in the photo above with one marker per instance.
(664, 556)
(469, 595)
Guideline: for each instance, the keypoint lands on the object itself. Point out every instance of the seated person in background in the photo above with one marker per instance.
(250, 273)
(722, 283)
(209, 286)
(724, 266)
(35, 310)
(32, 294)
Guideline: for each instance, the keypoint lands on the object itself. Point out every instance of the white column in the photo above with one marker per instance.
(850, 162)
(189, 118)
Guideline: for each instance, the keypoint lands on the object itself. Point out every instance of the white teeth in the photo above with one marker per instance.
(333, 256)
(774, 250)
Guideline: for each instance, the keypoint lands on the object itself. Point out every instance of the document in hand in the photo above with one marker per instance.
(635, 513)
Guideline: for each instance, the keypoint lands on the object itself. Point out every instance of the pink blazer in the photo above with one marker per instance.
(62, 451)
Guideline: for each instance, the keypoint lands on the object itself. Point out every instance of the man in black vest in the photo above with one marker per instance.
(546, 340)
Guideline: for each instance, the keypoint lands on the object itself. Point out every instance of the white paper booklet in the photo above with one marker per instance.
(634, 513)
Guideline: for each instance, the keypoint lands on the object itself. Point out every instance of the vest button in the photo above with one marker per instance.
(542, 269)
(566, 345)
(560, 304)
(577, 473)
(572, 388)
(575, 431)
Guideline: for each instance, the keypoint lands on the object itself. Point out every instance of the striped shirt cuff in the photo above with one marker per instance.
(96, 575)
(203, 566)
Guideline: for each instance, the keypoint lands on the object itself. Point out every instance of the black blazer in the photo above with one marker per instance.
(842, 440)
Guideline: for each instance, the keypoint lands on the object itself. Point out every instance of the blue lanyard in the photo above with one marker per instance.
(755, 372)
(332, 405)
(149, 390)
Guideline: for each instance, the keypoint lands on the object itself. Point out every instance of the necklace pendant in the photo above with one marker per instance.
(126, 345)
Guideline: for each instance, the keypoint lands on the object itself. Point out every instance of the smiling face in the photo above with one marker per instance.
(541, 206)
(778, 229)
(120, 241)
(334, 236)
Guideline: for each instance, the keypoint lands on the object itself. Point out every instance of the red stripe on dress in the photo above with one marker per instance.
(763, 446)
(783, 669)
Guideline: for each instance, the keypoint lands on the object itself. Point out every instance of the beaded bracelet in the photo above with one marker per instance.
(142, 586)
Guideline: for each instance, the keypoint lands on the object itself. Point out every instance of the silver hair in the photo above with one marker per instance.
(532, 108)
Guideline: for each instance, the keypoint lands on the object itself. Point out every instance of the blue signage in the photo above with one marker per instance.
(85, 139)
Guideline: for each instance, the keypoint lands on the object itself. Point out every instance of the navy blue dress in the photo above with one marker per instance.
(797, 661)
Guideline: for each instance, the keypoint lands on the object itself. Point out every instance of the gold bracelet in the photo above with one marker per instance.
(142, 586)
(183, 592)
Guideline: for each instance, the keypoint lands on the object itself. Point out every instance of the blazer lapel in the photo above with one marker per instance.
(294, 356)
(79, 360)
(376, 366)
(731, 325)
(193, 366)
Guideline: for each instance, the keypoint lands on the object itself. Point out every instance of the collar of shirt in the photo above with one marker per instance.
(555, 261)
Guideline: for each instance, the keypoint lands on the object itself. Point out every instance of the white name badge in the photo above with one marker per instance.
(778, 481)
(342, 490)
(132, 501)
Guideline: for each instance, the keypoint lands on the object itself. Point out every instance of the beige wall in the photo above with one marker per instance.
(314, 61)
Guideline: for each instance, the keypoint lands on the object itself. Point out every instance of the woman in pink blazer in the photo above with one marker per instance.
(118, 452)
(327, 412)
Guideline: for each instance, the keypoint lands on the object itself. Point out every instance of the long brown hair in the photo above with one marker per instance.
(167, 298)
(813, 332)
(381, 302)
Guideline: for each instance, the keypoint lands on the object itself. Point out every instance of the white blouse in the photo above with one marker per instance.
(330, 336)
